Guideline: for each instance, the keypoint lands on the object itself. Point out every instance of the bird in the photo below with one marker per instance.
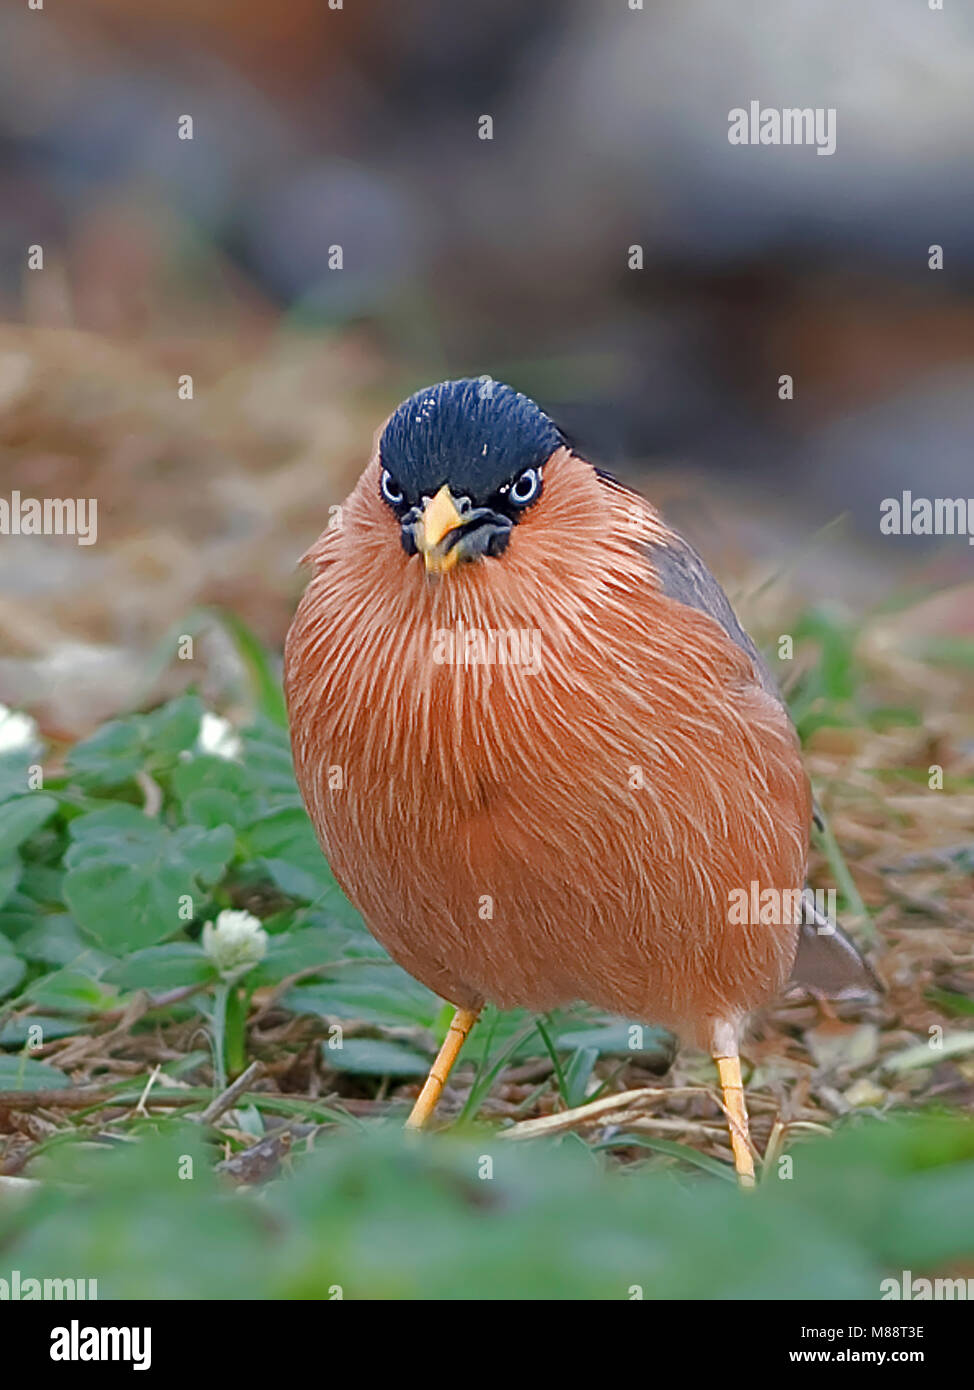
(540, 752)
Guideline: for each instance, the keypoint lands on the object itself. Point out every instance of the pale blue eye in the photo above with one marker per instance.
(391, 491)
(525, 488)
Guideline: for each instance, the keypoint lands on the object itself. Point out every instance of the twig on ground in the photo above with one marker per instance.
(228, 1098)
(153, 1075)
(600, 1110)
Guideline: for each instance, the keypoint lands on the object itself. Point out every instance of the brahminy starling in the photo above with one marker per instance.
(541, 754)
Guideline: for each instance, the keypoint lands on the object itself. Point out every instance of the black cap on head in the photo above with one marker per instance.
(475, 435)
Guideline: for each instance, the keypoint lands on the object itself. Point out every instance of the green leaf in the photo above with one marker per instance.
(70, 991)
(54, 939)
(212, 808)
(615, 1039)
(112, 755)
(373, 994)
(16, 1031)
(285, 842)
(43, 884)
(12, 971)
(267, 758)
(288, 834)
(292, 951)
(137, 1212)
(207, 852)
(957, 1005)
(15, 768)
(374, 1057)
(295, 882)
(578, 1073)
(26, 1074)
(206, 772)
(9, 878)
(121, 748)
(20, 817)
(108, 825)
(214, 791)
(128, 876)
(173, 728)
(163, 967)
(673, 1150)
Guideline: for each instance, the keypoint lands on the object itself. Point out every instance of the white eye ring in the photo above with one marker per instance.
(525, 488)
(390, 489)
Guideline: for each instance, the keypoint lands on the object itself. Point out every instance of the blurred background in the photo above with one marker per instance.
(213, 258)
(357, 127)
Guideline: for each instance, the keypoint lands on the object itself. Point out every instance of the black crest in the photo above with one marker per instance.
(475, 435)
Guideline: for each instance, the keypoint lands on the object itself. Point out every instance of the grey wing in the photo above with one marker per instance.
(826, 961)
(684, 576)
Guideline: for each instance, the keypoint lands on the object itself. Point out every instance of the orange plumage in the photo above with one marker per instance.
(571, 832)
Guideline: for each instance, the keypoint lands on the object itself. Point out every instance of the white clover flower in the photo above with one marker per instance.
(17, 731)
(217, 736)
(235, 943)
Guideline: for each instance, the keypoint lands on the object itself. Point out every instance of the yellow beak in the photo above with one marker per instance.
(440, 517)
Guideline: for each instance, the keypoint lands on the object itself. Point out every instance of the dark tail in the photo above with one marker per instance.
(828, 962)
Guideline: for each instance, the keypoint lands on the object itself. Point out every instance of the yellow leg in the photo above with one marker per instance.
(463, 1021)
(729, 1069)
